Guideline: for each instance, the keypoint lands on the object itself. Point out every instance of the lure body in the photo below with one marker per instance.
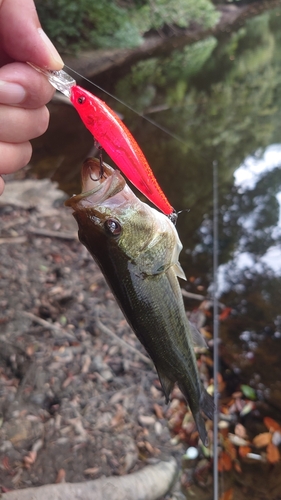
(114, 137)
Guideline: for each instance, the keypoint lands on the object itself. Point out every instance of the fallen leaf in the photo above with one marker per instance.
(149, 447)
(244, 450)
(271, 424)
(6, 464)
(276, 438)
(262, 440)
(237, 467)
(237, 440)
(248, 391)
(208, 361)
(30, 349)
(227, 495)
(272, 453)
(223, 428)
(224, 462)
(29, 459)
(221, 382)
(240, 431)
(158, 410)
(92, 471)
(237, 394)
(230, 449)
(60, 476)
(225, 313)
(250, 406)
(118, 418)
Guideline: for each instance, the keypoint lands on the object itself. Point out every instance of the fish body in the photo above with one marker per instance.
(137, 249)
(114, 137)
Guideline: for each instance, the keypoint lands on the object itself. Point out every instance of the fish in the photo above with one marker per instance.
(114, 137)
(137, 249)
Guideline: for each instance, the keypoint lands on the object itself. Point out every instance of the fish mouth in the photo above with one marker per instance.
(98, 185)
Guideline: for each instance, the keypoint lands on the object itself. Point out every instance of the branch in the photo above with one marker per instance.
(150, 483)
(57, 330)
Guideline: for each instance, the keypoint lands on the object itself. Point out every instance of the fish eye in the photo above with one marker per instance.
(81, 99)
(113, 226)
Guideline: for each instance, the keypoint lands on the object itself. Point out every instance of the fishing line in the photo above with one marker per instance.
(215, 327)
(149, 120)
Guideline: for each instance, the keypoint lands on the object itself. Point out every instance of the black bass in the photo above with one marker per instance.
(137, 249)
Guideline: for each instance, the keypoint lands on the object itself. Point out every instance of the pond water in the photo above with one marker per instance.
(222, 98)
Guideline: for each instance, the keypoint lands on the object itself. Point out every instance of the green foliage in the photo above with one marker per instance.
(73, 25)
(182, 13)
(150, 78)
(79, 24)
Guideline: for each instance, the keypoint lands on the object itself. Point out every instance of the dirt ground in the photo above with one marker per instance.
(75, 404)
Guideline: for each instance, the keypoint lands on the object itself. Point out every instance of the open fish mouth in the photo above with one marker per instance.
(96, 188)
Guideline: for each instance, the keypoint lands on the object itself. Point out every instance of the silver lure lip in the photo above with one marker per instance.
(60, 80)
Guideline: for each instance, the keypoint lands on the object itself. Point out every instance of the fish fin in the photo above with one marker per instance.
(200, 422)
(207, 404)
(197, 337)
(167, 384)
(179, 271)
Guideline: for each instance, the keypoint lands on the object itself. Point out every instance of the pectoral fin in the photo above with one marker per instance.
(179, 271)
(197, 337)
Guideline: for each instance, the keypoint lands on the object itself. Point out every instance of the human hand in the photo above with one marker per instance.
(23, 91)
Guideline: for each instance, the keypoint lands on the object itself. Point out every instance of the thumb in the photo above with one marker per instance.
(21, 35)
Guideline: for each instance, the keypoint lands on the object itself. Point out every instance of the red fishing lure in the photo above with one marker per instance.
(111, 133)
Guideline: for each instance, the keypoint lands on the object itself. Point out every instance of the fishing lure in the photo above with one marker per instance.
(113, 136)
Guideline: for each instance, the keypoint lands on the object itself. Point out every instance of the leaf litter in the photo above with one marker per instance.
(78, 394)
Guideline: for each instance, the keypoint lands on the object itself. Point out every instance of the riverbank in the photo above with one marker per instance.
(100, 62)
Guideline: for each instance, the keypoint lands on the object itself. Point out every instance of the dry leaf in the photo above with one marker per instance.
(92, 471)
(208, 361)
(238, 441)
(272, 453)
(149, 447)
(60, 476)
(225, 462)
(247, 408)
(230, 449)
(276, 438)
(262, 440)
(221, 382)
(29, 459)
(158, 410)
(118, 418)
(244, 450)
(225, 313)
(30, 350)
(223, 428)
(240, 431)
(271, 424)
(227, 495)
(237, 467)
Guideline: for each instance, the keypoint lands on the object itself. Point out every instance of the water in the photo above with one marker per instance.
(224, 100)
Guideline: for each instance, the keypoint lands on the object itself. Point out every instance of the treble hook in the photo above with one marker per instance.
(101, 172)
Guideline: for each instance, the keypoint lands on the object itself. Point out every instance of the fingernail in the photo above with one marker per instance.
(56, 61)
(11, 93)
